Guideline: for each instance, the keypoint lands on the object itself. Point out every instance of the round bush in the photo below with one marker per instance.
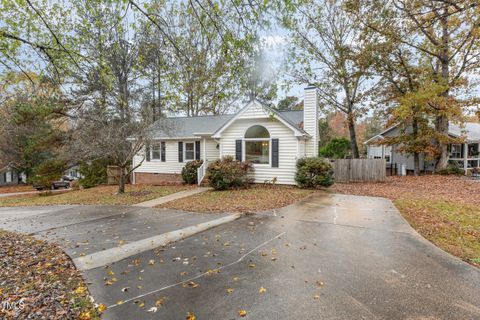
(453, 169)
(313, 173)
(228, 173)
(189, 172)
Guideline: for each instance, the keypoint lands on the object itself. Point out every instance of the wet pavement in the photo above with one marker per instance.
(327, 257)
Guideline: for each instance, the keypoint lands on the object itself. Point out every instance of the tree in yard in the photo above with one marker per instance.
(446, 36)
(332, 52)
(107, 111)
(288, 103)
(33, 129)
(337, 148)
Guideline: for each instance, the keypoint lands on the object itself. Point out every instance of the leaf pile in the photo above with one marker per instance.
(253, 199)
(44, 278)
(433, 187)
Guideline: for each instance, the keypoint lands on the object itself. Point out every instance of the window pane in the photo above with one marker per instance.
(189, 151)
(156, 151)
(257, 132)
(257, 151)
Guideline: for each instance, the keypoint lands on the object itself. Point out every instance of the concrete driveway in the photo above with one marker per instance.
(328, 257)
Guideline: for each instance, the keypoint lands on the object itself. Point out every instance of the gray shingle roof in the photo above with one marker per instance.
(187, 127)
(470, 129)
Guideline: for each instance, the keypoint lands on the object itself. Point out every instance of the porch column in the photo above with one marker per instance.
(465, 157)
(204, 149)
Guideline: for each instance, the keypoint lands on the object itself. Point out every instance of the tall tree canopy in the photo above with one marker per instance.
(331, 51)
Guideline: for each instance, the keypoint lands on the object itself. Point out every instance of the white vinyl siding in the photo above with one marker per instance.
(287, 147)
(171, 164)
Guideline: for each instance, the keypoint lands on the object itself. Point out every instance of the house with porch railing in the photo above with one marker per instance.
(465, 154)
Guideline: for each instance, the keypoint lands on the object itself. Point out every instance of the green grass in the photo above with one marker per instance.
(101, 195)
(454, 227)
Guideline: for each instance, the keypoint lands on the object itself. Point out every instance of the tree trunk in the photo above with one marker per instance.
(441, 126)
(353, 136)
(416, 155)
(441, 123)
(121, 182)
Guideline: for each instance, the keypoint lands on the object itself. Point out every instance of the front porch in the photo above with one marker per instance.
(465, 155)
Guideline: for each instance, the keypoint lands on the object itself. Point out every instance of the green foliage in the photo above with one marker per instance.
(94, 173)
(313, 173)
(189, 172)
(452, 168)
(288, 103)
(47, 172)
(337, 148)
(228, 173)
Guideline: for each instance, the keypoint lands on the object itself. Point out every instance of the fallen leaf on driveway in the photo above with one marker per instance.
(316, 297)
(262, 290)
(229, 290)
(160, 302)
(190, 316)
(242, 313)
(251, 265)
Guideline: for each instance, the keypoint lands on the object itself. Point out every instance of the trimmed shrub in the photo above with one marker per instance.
(313, 173)
(228, 173)
(189, 172)
(452, 168)
(93, 173)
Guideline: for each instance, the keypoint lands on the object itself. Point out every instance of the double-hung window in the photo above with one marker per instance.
(189, 151)
(158, 151)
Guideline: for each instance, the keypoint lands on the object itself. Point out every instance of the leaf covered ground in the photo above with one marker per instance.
(39, 281)
(252, 199)
(443, 209)
(16, 188)
(101, 195)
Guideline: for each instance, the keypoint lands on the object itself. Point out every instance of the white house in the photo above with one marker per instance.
(466, 155)
(271, 140)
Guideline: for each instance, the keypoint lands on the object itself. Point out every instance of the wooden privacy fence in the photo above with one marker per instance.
(357, 170)
(113, 175)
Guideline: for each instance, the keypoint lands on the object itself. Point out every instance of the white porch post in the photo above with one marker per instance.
(465, 157)
(204, 149)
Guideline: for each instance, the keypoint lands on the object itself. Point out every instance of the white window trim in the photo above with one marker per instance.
(185, 150)
(159, 143)
(244, 153)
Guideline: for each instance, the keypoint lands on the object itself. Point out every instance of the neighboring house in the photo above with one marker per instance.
(73, 173)
(466, 155)
(272, 140)
(9, 176)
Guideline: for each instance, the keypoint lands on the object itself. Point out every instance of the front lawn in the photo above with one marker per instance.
(443, 209)
(253, 199)
(16, 188)
(101, 195)
(39, 281)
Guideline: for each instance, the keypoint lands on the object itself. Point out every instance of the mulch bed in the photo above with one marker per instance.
(39, 281)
